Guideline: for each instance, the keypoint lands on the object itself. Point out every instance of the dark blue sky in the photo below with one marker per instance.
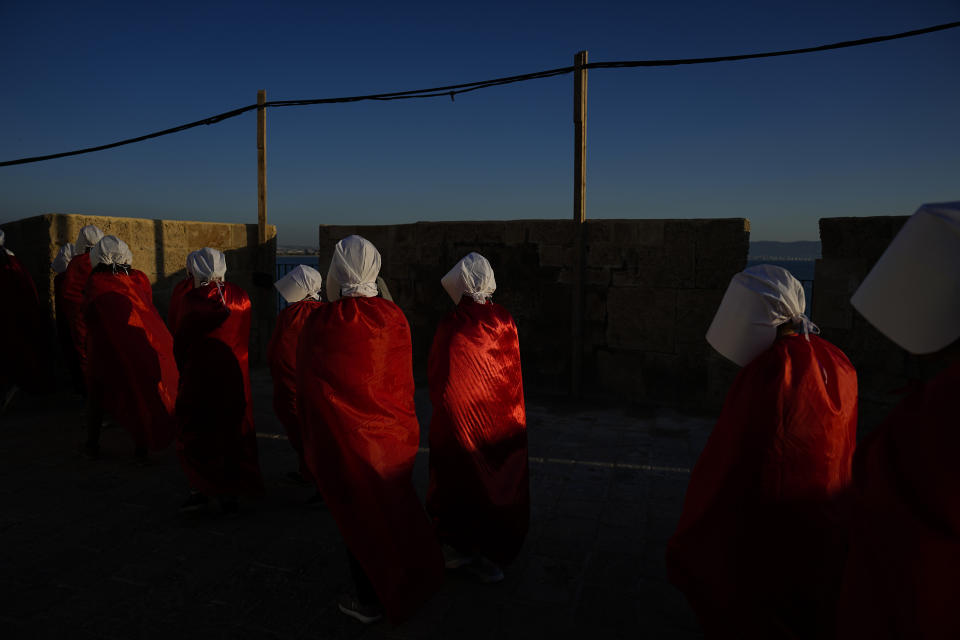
(866, 131)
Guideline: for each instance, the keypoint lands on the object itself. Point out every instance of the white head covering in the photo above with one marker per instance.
(189, 257)
(757, 301)
(472, 276)
(111, 250)
(3, 239)
(302, 282)
(207, 265)
(87, 238)
(63, 258)
(912, 294)
(353, 270)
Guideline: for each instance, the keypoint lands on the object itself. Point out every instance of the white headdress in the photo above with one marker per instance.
(912, 294)
(207, 265)
(111, 250)
(472, 276)
(757, 301)
(63, 258)
(353, 269)
(87, 238)
(302, 282)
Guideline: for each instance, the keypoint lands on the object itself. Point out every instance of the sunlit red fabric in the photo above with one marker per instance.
(23, 323)
(217, 443)
(130, 362)
(282, 357)
(479, 495)
(72, 298)
(759, 545)
(176, 298)
(360, 437)
(902, 573)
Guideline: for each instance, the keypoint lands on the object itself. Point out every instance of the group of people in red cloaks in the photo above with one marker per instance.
(790, 528)
(343, 390)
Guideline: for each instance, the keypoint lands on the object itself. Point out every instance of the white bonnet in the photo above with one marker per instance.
(207, 265)
(111, 250)
(757, 301)
(63, 258)
(301, 282)
(472, 276)
(87, 238)
(353, 269)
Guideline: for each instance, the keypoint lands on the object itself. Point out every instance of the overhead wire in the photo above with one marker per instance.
(454, 89)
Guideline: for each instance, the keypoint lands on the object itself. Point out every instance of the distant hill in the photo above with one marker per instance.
(773, 250)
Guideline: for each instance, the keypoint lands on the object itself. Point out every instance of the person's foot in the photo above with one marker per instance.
(454, 559)
(365, 613)
(7, 398)
(296, 478)
(484, 570)
(141, 455)
(91, 450)
(229, 505)
(316, 501)
(196, 502)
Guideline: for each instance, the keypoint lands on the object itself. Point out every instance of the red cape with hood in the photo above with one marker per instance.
(282, 357)
(22, 323)
(217, 443)
(130, 360)
(902, 577)
(176, 298)
(479, 494)
(74, 282)
(759, 546)
(360, 437)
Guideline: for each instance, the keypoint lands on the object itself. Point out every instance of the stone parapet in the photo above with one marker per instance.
(160, 249)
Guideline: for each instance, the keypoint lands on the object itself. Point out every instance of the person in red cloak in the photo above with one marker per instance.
(301, 289)
(217, 442)
(131, 372)
(64, 338)
(72, 289)
(479, 492)
(360, 437)
(759, 546)
(901, 577)
(22, 321)
(179, 290)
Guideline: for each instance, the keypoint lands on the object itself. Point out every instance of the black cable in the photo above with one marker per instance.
(453, 89)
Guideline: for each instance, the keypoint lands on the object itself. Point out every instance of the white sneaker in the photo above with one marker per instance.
(367, 614)
(484, 570)
(453, 559)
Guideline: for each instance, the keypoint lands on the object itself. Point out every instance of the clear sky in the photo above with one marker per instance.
(865, 131)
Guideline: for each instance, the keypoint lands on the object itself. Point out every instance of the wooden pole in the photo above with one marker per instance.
(262, 166)
(579, 216)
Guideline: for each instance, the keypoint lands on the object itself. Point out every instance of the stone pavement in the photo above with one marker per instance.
(98, 549)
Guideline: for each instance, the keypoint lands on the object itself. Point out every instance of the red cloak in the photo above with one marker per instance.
(130, 362)
(282, 357)
(22, 323)
(217, 443)
(759, 546)
(72, 298)
(176, 298)
(479, 494)
(360, 437)
(902, 573)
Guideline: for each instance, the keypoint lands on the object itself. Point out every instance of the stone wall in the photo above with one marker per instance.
(850, 248)
(160, 249)
(651, 288)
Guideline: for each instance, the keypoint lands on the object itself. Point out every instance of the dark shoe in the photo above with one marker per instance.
(7, 398)
(484, 570)
(454, 559)
(296, 478)
(365, 613)
(141, 456)
(91, 450)
(229, 505)
(196, 502)
(316, 500)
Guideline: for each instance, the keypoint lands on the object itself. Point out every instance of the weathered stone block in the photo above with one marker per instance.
(642, 318)
(605, 254)
(695, 311)
(552, 255)
(550, 231)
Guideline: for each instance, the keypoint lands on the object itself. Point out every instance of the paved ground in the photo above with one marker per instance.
(97, 549)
